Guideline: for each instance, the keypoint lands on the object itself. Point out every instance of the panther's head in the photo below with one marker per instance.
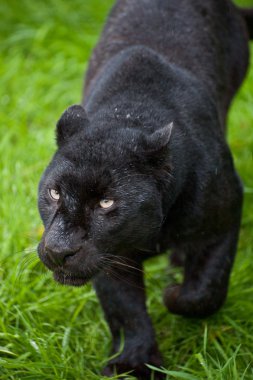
(100, 196)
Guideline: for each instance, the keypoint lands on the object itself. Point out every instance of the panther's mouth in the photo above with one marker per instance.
(67, 278)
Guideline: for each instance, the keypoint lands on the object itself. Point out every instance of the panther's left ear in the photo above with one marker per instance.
(72, 121)
(159, 139)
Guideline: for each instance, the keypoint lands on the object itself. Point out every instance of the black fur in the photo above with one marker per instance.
(247, 14)
(157, 92)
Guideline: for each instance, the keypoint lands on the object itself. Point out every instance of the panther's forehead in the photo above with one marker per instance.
(70, 175)
(101, 145)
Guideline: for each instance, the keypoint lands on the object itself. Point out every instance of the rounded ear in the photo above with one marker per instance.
(72, 121)
(159, 139)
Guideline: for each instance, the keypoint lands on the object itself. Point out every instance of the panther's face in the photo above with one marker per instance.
(97, 199)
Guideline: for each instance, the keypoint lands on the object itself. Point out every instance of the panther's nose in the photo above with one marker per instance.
(58, 253)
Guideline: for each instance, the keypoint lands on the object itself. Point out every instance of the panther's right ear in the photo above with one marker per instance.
(72, 121)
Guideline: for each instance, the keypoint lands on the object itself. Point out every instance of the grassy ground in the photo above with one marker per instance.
(48, 331)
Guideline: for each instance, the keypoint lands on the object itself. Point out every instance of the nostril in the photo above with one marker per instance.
(70, 253)
(68, 256)
(51, 255)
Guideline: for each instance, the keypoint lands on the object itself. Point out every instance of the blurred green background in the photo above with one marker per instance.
(48, 331)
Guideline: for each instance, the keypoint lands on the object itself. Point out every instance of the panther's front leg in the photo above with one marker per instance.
(122, 296)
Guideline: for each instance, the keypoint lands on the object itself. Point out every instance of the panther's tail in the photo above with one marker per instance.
(247, 14)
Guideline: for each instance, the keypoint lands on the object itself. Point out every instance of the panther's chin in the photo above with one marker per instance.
(67, 278)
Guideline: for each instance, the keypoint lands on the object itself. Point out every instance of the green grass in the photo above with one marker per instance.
(48, 331)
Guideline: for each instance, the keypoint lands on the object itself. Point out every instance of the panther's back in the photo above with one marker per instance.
(214, 30)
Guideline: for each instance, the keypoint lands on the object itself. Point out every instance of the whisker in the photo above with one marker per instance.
(122, 258)
(145, 250)
(110, 261)
(28, 258)
(26, 251)
(122, 261)
(124, 271)
(122, 279)
(126, 266)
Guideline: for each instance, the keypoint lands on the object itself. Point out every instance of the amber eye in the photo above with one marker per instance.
(54, 194)
(106, 203)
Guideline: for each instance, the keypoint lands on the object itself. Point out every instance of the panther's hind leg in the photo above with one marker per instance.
(206, 275)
